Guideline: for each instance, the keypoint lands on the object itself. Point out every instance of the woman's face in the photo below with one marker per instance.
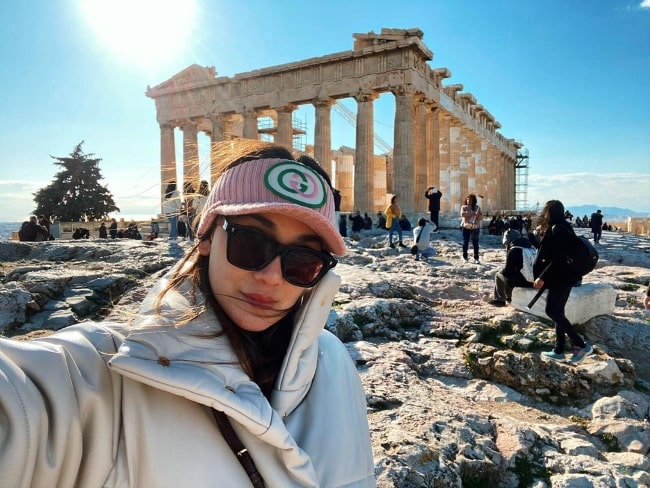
(255, 300)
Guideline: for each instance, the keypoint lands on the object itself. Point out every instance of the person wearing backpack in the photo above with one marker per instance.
(552, 272)
(518, 270)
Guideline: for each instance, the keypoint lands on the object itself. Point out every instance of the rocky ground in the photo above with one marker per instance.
(458, 394)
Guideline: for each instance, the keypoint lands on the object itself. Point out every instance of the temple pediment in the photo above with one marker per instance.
(191, 77)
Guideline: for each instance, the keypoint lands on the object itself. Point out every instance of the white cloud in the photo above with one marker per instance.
(645, 4)
(625, 190)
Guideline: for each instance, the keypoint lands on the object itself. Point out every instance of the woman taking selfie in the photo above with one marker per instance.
(225, 378)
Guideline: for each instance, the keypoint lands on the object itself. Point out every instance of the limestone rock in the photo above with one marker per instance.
(457, 392)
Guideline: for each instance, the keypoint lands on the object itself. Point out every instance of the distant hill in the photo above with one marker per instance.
(610, 213)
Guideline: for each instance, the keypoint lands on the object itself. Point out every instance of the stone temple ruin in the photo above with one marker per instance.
(442, 135)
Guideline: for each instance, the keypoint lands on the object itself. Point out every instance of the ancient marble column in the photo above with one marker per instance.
(167, 158)
(420, 152)
(284, 134)
(403, 151)
(344, 162)
(220, 132)
(455, 195)
(447, 202)
(480, 147)
(433, 147)
(493, 192)
(364, 155)
(463, 162)
(190, 155)
(250, 125)
(323, 133)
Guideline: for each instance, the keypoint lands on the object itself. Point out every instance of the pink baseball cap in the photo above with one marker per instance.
(276, 186)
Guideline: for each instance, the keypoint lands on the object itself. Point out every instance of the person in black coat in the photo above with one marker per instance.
(517, 271)
(553, 273)
(433, 195)
(597, 225)
(357, 221)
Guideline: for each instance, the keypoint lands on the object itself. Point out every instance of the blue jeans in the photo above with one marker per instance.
(173, 226)
(473, 234)
(394, 227)
(428, 252)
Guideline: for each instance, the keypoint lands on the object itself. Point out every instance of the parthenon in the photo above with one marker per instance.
(442, 135)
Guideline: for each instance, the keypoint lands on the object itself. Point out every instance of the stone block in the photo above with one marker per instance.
(585, 302)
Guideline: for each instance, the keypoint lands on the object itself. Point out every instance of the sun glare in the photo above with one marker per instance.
(145, 32)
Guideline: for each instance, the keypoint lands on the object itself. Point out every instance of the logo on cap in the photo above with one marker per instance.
(296, 183)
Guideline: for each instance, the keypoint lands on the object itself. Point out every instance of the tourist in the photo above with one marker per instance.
(367, 222)
(434, 195)
(200, 198)
(381, 221)
(46, 224)
(518, 269)
(422, 236)
(171, 208)
(103, 234)
(155, 230)
(357, 221)
(337, 205)
(343, 225)
(30, 231)
(471, 217)
(405, 223)
(112, 229)
(553, 273)
(188, 210)
(392, 222)
(646, 300)
(230, 342)
(597, 225)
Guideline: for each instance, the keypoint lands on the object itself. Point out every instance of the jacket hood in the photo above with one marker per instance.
(169, 356)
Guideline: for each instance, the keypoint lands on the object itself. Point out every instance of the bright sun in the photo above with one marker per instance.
(145, 32)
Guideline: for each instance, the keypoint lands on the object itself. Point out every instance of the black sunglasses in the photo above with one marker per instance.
(251, 249)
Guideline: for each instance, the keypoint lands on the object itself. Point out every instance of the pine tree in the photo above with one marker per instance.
(75, 193)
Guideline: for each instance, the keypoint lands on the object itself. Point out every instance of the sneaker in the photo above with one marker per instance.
(466, 260)
(416, 258)
(476, 261)
(579, 353)
(553, 355)
(391, 245)
(497, 303)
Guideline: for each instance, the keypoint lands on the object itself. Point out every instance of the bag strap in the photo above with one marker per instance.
(238, 449)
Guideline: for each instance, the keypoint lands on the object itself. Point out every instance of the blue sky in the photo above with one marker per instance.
(569, 79)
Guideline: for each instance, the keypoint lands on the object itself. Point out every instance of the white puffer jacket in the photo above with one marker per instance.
(91, 407)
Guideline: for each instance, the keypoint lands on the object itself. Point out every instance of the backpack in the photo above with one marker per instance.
(584, 258)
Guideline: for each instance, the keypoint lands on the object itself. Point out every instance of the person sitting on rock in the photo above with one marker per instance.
(518, 269)
(357, 221)
(367, 222)
(30, 231)
(404, 222)
(381, 221)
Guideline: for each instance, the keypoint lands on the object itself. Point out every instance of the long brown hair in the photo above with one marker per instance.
(259, 355)
(552, 214)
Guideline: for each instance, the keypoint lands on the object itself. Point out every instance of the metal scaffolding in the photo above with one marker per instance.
(521, 179)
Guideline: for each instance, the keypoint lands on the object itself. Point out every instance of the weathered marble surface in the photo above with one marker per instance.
(457, 392)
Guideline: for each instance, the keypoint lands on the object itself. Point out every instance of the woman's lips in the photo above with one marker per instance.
(260, 300)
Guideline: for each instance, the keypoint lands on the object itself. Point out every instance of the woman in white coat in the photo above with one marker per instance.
(226, 366)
